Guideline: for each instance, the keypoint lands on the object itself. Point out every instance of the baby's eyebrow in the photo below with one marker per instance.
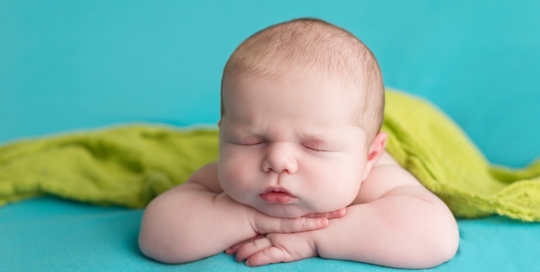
(316, 140)
(242, 131)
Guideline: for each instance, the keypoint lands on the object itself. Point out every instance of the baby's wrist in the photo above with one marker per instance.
(312, 239)
(321, 237)
(243, 215)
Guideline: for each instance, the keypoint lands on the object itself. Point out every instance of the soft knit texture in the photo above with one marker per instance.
(431, 146)
(130, 165)
(125, 166)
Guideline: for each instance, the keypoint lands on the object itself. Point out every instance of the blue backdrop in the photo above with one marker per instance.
(72, 65)
(68, 65)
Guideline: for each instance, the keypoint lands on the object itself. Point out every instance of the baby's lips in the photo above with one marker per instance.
(274, 197)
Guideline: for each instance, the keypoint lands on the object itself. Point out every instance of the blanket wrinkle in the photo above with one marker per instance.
(130, 165)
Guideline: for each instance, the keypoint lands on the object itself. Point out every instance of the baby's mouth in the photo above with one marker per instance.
(277, 195)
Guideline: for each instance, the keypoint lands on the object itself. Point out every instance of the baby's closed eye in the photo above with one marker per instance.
(247, 141)
(250, 143)
(317, 145)
(315, 148)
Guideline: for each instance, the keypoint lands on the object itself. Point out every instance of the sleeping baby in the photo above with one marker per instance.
(302, 167)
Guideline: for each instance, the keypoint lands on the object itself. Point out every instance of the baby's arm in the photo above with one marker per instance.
(394, 222)
(197, 220)
(400, 226)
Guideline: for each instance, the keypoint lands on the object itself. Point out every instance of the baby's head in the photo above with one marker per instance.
(302, 105)
(305, 48)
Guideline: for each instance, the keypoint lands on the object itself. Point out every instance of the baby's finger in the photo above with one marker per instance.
(335, 214)
(251, 248)
(267, 256)
(290, 225)
(233, 249)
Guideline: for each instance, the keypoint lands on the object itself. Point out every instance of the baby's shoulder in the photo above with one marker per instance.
(385, 176)
(207, 176)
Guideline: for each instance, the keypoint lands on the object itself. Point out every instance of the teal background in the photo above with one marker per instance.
(72, 65)
(69, 65)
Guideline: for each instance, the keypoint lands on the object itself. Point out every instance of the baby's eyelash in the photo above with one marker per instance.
(250, 144)
(314, 149)
(245, 142)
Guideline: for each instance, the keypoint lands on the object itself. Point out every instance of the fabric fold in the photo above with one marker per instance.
(433, 148)
(125, 166)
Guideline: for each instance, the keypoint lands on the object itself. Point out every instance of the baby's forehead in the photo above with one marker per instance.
(337, 94)
(334, 84)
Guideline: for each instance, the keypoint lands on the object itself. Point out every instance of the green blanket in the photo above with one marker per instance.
(130, 165)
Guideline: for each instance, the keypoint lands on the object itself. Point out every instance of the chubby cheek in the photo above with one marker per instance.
(236, 173)
(335, 184)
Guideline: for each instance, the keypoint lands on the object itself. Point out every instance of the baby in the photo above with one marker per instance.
(302, 167)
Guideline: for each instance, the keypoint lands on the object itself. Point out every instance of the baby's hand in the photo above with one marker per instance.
(275, 248)
(330, 215)
(263, 224)
(261, 245)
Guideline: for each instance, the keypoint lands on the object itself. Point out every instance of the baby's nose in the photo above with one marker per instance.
(279, 158)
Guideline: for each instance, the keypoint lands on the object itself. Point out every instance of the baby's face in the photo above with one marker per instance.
(289, 148)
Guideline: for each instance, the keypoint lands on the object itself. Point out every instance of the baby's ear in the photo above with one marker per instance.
(377, 146)
(376, 149)
(219, 123)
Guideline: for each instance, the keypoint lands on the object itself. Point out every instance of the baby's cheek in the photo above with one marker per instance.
(340, 187)
(235, 173)
(238, 166)
(232, 160)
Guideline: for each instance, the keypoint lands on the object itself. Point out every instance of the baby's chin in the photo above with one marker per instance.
(283, 211)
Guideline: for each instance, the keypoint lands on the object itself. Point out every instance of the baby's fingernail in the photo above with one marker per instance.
(323, 221)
